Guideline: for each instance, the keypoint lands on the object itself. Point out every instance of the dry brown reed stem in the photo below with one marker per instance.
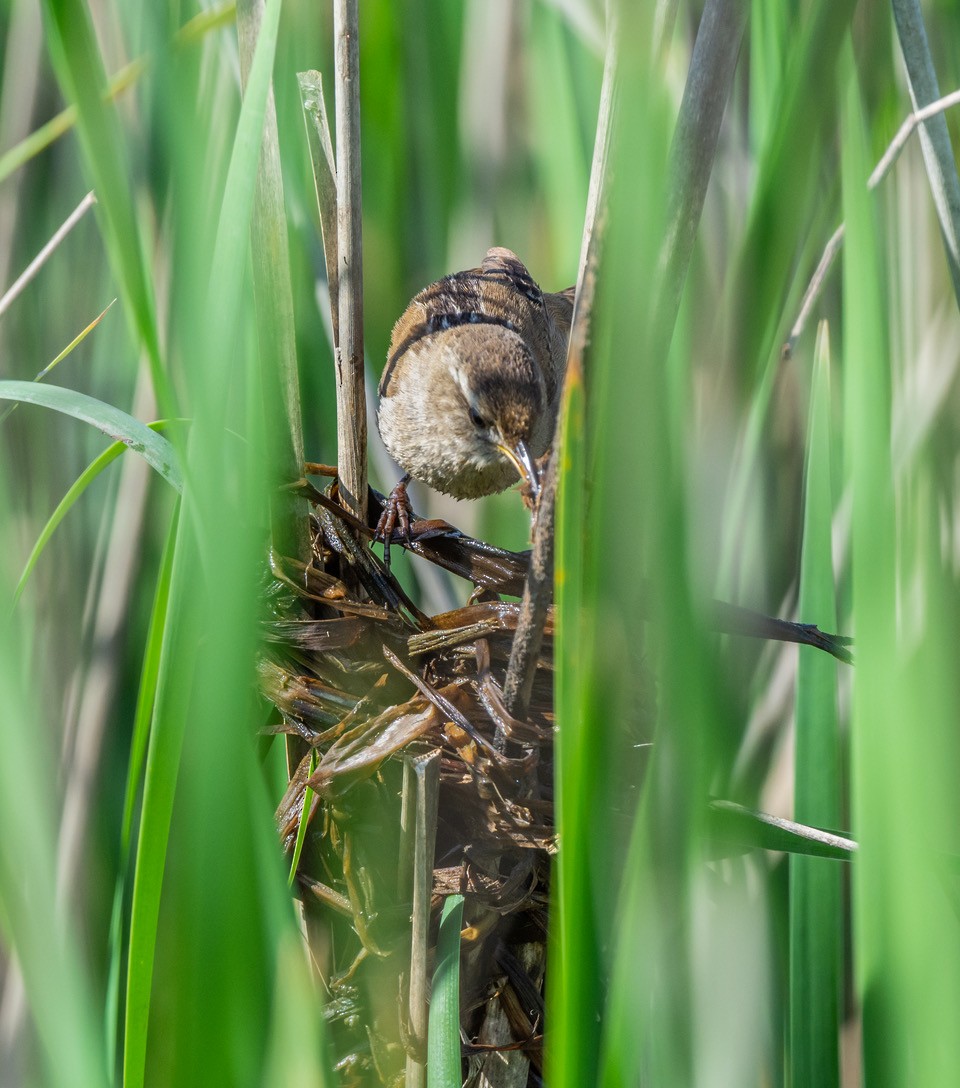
(537, 593)
(351, 402)
(41, 258)
(279, 378)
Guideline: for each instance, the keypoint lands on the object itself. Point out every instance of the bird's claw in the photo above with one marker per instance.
(394, 523)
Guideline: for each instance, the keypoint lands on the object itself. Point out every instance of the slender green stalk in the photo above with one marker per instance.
(876, 724)
(303, 824)
(816, 949)
(443, 1056)
(574, 997)
(146, 699)
(277, 332)
(575, 988)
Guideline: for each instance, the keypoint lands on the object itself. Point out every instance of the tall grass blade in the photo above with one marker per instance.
(57, 985)
(443, 1057)
(79, 67)
(877, 735)
(785, 202)
(154, 448)
(198, 688)
(76, 489)
(276, 330)
(574, 993)
(907, 937)
(816, 923)
(143, 715)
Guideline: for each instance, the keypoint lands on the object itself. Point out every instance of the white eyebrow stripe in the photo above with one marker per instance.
(461, 381)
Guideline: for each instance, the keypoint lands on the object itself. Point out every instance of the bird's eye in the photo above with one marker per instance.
(477, 420)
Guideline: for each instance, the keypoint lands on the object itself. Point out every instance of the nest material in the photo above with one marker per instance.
(362, 680)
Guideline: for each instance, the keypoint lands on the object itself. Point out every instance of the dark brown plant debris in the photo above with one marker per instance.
(363, 679)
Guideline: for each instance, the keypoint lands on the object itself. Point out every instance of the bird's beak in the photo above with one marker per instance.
(523, 462)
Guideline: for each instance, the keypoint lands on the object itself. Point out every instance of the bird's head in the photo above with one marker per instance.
(498, 401)
(463, 403)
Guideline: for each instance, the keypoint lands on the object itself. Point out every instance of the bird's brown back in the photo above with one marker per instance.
(501, 292)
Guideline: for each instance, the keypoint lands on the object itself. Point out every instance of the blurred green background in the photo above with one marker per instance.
(478, 128)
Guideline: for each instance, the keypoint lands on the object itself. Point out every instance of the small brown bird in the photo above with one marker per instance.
(468, 398)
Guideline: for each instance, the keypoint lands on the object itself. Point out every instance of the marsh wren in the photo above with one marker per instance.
(468, 398)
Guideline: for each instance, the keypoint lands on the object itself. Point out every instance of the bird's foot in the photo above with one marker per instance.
(395, 518)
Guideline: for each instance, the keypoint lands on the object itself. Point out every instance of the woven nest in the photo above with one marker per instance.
(370, 691)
